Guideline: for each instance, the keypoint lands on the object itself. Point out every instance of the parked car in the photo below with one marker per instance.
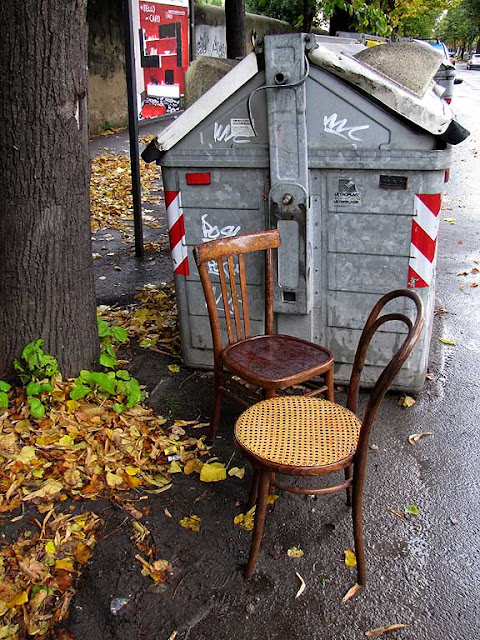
(474, 61)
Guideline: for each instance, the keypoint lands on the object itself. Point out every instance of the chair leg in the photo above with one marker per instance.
(260, 512)
(270, 393)
(252, 498)
(329, 384)
(217, 409)
(358, 479)
(348, 475)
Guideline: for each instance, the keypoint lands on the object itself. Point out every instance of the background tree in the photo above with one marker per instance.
(457, 29)
(358, 15)
(46, 274)
(235, 28)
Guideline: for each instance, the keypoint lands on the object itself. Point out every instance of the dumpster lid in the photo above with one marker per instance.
(213, 98)
(423, 108)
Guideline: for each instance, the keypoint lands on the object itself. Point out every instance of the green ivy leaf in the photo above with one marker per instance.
(412, 509)
(120, 334)
(79, 391)
(3, 400)
(37, 410)
(4, 386)
(122, 374)
(103, 328)
(108, 361)
(118, 407)
(33, 389)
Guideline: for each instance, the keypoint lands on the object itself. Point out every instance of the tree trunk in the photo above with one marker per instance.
(235, 28)
(340, 21)
(46, 273)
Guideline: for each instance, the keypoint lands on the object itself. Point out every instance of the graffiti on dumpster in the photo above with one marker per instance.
(219, 301)
(339, 128)
(212, 232)
(238, 130)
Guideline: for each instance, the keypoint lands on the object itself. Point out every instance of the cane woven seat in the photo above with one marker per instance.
(298, 431)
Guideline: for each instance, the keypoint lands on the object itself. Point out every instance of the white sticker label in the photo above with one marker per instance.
(241, 127)
(347, 193)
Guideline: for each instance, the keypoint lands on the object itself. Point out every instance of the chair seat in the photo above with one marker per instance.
(296, 431)
(276, 361)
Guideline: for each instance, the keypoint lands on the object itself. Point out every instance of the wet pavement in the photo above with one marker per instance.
(423, 571)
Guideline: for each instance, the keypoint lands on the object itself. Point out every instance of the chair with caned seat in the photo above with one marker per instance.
(299, 436)
(268, 362)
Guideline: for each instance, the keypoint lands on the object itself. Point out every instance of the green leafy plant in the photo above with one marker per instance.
(35, 364)
(119, 384)
(110, 337)
(4, 389)
(35, 369)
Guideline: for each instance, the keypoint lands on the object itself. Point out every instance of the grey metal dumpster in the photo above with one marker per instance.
(346, 162)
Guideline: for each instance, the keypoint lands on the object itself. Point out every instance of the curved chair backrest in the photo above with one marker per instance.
(235, 300)
(374, 322)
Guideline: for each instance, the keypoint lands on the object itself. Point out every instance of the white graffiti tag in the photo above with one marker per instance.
(224, 134)
(212, 232)
(339, 128)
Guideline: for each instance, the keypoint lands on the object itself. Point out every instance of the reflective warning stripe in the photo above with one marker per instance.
(176, 232)
(423, 247)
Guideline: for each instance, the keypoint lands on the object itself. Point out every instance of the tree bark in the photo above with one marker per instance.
(46, 273)
(235, 28)
(340, 21)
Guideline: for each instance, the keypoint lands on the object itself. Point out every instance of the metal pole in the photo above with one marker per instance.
(193, 47)
(133, 127)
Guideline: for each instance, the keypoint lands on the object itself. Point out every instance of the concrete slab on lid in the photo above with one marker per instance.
(430, 112)
(410, 64)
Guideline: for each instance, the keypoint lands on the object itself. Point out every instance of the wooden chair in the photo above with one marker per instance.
(267, 362)
(300, 436)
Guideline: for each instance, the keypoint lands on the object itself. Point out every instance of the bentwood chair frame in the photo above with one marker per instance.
(354, 463)
(285, 360)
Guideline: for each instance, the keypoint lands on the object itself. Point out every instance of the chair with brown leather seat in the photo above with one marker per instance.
(267, 362)
(299, 436)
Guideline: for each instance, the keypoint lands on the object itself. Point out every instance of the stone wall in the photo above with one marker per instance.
(106, 54)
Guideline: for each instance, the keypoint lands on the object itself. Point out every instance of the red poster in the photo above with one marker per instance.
(164, 56)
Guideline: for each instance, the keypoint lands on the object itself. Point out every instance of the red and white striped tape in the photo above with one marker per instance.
(423, 247)
(176, 232)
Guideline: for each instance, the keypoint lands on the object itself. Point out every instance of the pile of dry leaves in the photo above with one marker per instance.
(81, 449)
(153, 320)
(111, 190)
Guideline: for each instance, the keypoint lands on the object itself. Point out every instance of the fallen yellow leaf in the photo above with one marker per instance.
(66, 564)
(113, 480)
(174, 368)
(450, 220)
(174, 467)
(272, 498)
(416, 436)
(131, 471)
(406, 401)
(237, 472)
(213, 472)
(351, 592)
(193, 523)
(192, 465)
(50, 547)
(295, 552)
(446, 341)
(20, 598)
(350, 558)
(378, 631)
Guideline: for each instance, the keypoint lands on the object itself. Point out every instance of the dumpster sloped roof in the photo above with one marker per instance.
(204, 106)
(428, 112)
